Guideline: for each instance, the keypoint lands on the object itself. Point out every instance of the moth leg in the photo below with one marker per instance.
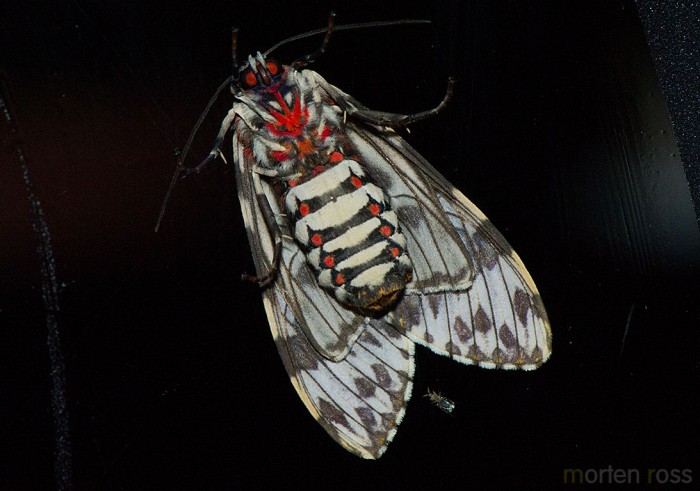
(216, 149)
(310, 58)
(181, 171)
(272, 225)
(392, 120)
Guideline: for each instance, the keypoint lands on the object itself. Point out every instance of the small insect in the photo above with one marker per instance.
(441, 402)
(363, 250)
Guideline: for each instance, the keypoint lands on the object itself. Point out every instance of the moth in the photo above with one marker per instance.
(441, 402)
(363, 250)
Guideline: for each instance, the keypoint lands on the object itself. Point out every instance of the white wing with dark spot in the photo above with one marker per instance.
(360, 397)
(361, 400)
(499, 321)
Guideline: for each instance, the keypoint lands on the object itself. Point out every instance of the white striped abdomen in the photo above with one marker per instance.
(351, 237)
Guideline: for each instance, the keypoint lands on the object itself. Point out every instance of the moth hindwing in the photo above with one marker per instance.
(363, 249)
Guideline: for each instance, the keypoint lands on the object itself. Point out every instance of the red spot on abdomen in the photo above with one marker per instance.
(329, 261)
(356, 181)
(304, 209)
(339, 279)
(386, 230)
(374, 208)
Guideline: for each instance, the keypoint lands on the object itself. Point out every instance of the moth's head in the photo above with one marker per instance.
(259, 74)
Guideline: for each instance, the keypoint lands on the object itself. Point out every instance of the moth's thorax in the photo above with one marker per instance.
(296, 130)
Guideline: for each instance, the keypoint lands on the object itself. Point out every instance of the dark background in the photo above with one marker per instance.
(558, 131)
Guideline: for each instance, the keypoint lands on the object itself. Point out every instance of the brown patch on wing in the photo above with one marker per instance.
(369, 338)
(305, 357)
(507, 337)
(435, 303)
(485, 252)
(382, 375)
(462, 329)
(410, 311)
(521, 302)
(452, 348)
(366, 415)
(331, 412)
(365, 387)
(475, 354)
(482, 323)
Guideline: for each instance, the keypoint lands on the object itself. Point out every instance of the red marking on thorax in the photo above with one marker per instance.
(290, 122)
(279, 155)
(305, 147)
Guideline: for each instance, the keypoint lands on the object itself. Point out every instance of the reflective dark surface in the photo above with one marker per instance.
(558, 132)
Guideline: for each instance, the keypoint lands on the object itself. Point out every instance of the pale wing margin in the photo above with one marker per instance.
(500, 321)
(331, 328)
(359, 401)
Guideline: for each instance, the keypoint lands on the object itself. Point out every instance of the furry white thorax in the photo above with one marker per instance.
(254, 109)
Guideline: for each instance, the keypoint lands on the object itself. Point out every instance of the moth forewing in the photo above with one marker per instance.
(499, 321)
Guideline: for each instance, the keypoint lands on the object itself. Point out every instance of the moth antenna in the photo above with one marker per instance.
(182, 155)
(171, 186)
(345, 27)
(234, 55)
(310, 58)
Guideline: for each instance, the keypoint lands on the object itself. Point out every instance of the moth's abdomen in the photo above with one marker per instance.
(351, 237)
